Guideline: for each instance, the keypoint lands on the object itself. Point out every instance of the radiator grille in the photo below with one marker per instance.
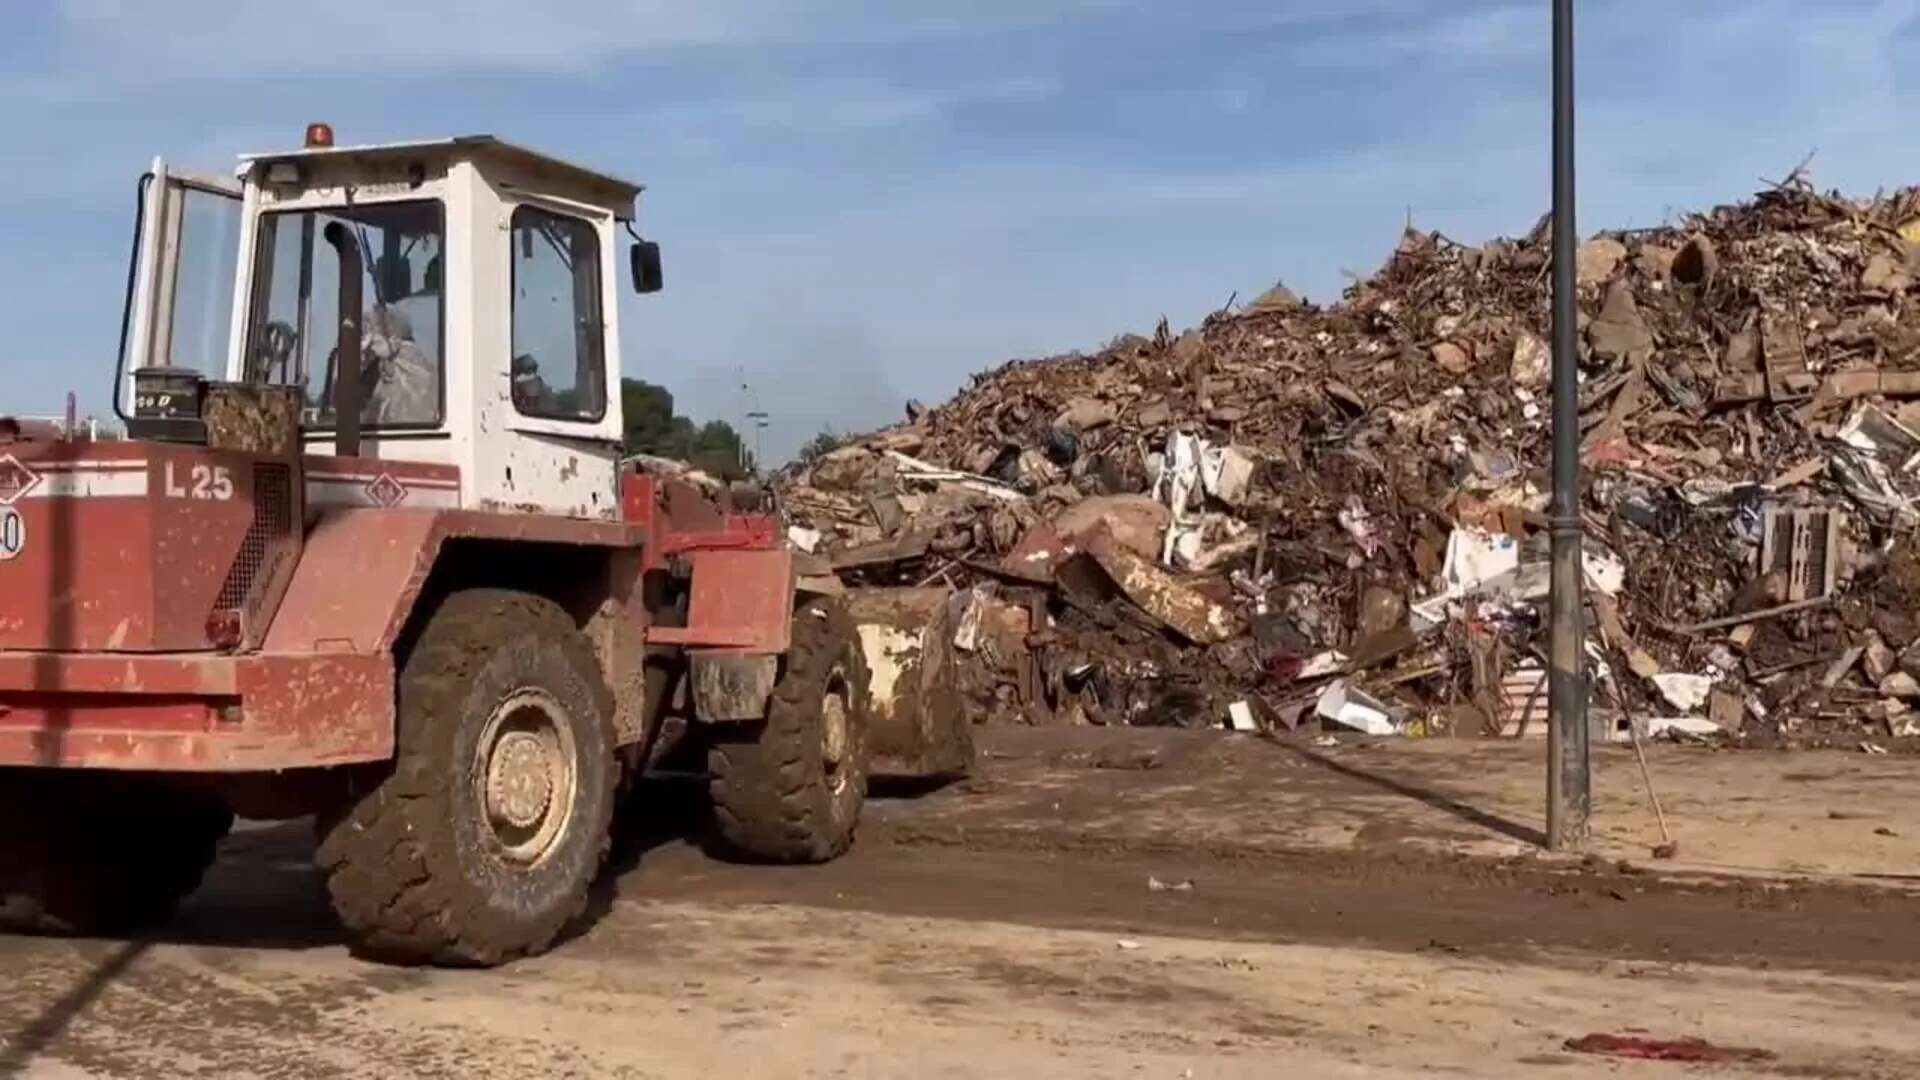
(272, 521)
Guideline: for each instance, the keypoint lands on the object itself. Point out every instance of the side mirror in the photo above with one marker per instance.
(394, 273)
(647, 274)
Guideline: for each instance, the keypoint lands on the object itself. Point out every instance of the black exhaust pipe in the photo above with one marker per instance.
(347, 374)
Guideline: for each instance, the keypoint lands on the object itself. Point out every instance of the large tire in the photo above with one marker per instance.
(789, 789)
(479, 843)
(101, 852)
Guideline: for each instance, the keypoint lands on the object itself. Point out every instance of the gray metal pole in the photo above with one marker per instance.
(740, 433)
(758, 418)
(1569, 776)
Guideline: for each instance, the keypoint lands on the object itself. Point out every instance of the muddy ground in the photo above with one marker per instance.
(1008, 925)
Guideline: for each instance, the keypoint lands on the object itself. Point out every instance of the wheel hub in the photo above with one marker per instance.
(834, 729)
(524, 777)
(519, 780)
(834, 734)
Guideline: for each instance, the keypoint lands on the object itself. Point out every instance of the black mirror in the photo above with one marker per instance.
(394, 275)
(647, 274)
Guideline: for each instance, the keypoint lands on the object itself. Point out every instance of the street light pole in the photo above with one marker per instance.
(1569, 775)
(759, 421)
(740, 441)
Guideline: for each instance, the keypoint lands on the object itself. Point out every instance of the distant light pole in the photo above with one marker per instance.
(759, 421)
(1569, 772)
(740, 433)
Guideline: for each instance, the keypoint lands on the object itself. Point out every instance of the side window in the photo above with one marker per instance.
(202, 309)
(179, 308)
(557, 367)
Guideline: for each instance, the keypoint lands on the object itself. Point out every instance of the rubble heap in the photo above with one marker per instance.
(1338, 514)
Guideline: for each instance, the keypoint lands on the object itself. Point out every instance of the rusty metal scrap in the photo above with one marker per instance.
(1304, 472)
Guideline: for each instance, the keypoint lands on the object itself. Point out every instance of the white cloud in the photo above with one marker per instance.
(1478, 37)
(224, 38)
(217, 37)
(828, 229)
(1501, 34)
(1022, 88)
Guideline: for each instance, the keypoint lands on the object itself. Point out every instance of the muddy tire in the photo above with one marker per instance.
(789, 789)
(101, 852)
(478, 844)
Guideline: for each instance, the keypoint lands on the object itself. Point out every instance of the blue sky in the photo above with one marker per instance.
(863, 202)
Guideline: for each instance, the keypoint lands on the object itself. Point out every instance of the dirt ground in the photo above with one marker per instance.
(1828, 816)
(1308, 921)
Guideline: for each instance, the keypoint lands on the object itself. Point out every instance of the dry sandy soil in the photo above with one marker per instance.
(1007, 926)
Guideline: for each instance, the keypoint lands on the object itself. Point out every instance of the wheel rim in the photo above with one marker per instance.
(836, 730)
(525, 776)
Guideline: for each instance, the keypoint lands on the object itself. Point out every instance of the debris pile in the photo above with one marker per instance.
(1338, 515)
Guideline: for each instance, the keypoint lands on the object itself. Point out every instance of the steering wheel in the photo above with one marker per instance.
(275, 347)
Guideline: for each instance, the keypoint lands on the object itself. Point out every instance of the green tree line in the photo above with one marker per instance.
(653, 427)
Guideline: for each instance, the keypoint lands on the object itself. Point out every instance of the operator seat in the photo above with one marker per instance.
(400, 376)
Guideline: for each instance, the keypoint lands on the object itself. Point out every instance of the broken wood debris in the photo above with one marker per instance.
(1290, 480)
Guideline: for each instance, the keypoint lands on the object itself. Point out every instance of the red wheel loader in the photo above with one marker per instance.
(371, 554)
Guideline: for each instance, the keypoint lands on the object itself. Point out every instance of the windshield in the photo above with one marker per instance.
(296, 312)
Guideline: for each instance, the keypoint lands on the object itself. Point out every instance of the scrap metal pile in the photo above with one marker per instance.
(1337, 516)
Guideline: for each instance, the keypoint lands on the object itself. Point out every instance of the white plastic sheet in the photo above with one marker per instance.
(1342, 704)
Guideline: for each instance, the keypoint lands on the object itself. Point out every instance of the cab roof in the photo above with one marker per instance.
(459, 145)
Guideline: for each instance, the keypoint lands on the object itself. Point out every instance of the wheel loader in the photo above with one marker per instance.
(371, 554)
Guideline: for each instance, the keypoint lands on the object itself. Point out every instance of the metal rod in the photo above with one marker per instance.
(348, 398)
(1569, 778)
(1750, 617)
(1668, 848)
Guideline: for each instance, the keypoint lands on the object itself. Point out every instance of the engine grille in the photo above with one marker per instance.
(272, 521)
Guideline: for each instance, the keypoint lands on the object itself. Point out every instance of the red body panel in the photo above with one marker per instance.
(383, 485)
(743, 576)
(359, 567)
(201, 713)
(104, 658)
(127, 545)
(741, 600)
(362, 569)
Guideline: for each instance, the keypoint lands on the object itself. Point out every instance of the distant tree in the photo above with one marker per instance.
(653, 427)
(716, 437)
(716, 448)
(826, 442)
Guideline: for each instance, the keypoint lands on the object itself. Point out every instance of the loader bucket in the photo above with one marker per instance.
(918, 726)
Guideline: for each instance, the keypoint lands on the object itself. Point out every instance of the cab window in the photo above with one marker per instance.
(296, 314)
(558, 367)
